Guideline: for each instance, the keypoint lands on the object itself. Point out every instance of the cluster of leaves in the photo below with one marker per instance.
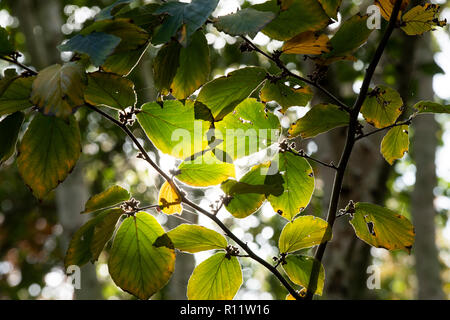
(142, 257)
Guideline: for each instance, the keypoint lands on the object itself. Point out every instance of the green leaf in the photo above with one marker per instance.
(194, 67)
(431, 107)
(304, 232)
(135, 264)
(48, 153)
(395, 143)
(193, 15)
(243, 204)
(298, 185)
(193, 238)
(217, 278)
(97, 45)
(204, 171)
(165, 65)
(88, 242)
(58, 90)
(248, 129)
(382, 106)
(422, 18)
(352, 34)
(223, 94)
(284, 95)
(110, 90)
(172, 128)
(382, 228)
(15, 94)
(108, 12)
(9, 132)
(246, 21)
(299, 268)
(299, 16)
(108, 198)
(143, 16)
(321, 118)
(134, 41)
(6, 45)
(331, 7)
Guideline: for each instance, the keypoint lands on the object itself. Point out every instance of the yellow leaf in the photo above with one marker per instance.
(169, 199)
(421, 19)
(386, 7)
(307, 43)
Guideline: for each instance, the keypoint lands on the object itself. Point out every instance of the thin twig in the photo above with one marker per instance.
(401, 123)
(17, 63)
(303, 154)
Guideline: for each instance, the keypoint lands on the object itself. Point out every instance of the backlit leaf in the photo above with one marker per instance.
(169, 200)
(165, 65)
(297, 17)
(395, 143)
(223, 94)
(331, 7)
(58, 90)
(303, 232)
(48, 153)
(299, 268)
(205, 171)
(246, 21)
(386, 7)
(172, 127)
(193, 238)
(286, 96)
(382, 228)
(298, 185)
(135, 264)
(194, 67)
(103, 231)
(431, 107)
(9, 132)
(307, 43)
(321, 118)
(110, 90)
(108, 198)
(248, 129)
(422, 18)
(382, 106)
(217, 278)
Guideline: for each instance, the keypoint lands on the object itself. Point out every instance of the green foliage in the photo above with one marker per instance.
(15, 94)
(382, 106)
(285, 96)
(6, 45)
(217, 278)
(48, 153)
(298, 269)
(135, 264)
(431, 107)
(108, 198)
(194, 238)
(382, 228)
(395, 143)
(321, 118)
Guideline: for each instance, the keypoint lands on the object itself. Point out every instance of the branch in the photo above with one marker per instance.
(302, 154)
(17, 63)
(276, 59)
(401, 123)
(194, 206)
(352, 129)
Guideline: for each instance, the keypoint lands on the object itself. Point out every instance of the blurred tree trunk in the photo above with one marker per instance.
(41, 22)
(424, 144)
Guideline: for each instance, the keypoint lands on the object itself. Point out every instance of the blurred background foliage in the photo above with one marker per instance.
(34, 235)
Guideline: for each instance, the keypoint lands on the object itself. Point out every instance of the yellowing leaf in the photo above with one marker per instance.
(48, 153)
(382, 228)
(307, 43)
(422, 18)
(299, 268)
(303, 232)
(193, 238)
(386, 7)
(395, 143)
(110, 197)
(331, 7)
(382, 106)
(169, 200)
(58, 90)
(217, 278)
(137, 265)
